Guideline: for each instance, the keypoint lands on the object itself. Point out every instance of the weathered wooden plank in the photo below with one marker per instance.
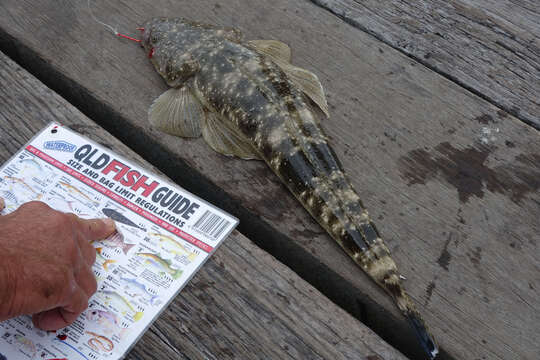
(490, 47)
(243, 304)
(444, 193)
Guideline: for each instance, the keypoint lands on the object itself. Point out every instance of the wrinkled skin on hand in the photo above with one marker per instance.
(46, 267)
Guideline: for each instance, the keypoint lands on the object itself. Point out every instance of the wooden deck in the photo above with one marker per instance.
(241, 300)
(447, 171)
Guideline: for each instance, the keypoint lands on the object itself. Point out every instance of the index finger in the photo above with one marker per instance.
(96, 229)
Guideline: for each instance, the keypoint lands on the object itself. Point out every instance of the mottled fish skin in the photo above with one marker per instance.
(252, 93)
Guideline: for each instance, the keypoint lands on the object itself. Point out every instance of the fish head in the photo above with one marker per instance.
(169, 43)
(165, 41)
(93, 315)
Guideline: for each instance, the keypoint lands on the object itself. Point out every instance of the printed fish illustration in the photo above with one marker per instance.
(116, 216)
(74, 190)
(104, 262)
(26, 343)
(31, 163)
(21, 182)
(133, 283)
(107, 321)
(99, 342)
(117, 240)
(160, 264)
(177, 248)
(247, 100)
(119, 299)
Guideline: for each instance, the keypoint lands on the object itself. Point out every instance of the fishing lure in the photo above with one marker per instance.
(246, 100)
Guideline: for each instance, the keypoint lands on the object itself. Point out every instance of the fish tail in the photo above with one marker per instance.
(177, 274)
(138, 316)
(377, 262)
(153, 299)
(127, 247)
(106, 264)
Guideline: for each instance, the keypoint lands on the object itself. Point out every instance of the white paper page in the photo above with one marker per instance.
(164, 235)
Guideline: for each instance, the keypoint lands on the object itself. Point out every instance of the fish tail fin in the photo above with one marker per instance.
(106, 264)
(376, 261)
(138, 316)
(177, 274)
(127, 247)
(154, 300)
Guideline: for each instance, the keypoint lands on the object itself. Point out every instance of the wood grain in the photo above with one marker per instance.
(451, 181)
(491, 48)
(242, 304)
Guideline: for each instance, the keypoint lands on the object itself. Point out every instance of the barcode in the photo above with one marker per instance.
(211, 224)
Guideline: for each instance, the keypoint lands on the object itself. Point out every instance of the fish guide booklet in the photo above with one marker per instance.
(164, 235)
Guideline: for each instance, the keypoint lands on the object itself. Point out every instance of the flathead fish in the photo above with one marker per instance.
(116, 216)
(247, 100)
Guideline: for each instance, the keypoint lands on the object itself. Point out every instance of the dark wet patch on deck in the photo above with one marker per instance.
(466, 169)
(484, 119)
(429, 292)
(445, 257)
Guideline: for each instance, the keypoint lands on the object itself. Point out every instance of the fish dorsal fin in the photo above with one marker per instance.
(308, 82)
(224, 139)
(177, 112)
(274, 49)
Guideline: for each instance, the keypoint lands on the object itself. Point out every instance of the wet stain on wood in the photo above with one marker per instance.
(429, 292)
(467, 171)
(445, 257)
(484, 119)
(475, 256)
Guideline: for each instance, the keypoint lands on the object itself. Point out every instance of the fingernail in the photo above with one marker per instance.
(109, 223)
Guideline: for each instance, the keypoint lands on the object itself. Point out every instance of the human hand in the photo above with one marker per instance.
(46, 267)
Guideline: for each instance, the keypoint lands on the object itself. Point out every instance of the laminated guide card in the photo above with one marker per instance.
(164, 235)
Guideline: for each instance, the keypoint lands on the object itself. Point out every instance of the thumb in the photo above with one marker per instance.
(96, 229)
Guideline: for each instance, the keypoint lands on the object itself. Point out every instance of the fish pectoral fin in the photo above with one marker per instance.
(224, 139)
(308, 82)
(274, 49)
(177, 112)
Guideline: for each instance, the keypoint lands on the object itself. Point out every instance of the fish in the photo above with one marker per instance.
(31, 163)
(116, 240)
(112, 295)
(247, 100)
(26, 343)
(107, 321)
(100, 343)
(21, 182)
(116, 216)
(130, 283)
(179, 249)
(74, 190)
(160, 264)
(104, 262)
